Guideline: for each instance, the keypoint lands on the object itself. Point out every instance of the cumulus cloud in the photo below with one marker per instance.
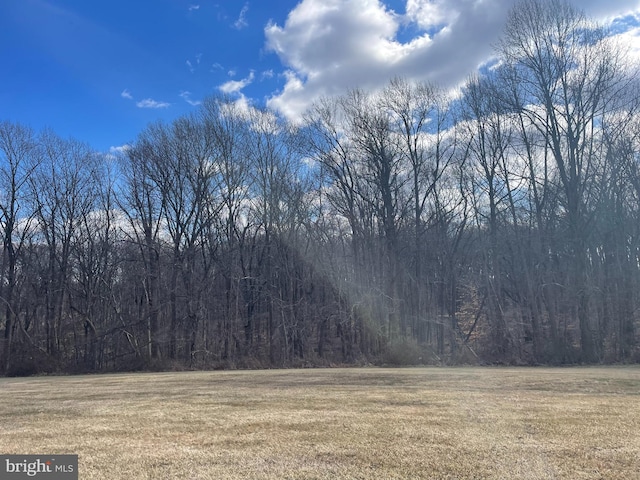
(194, 7)
(242, 106)
(120, 149)
(151, 103)
(116, 152)
(430, 14)
(630, 39)
(235, 86)
(126, 94)
(330, 46)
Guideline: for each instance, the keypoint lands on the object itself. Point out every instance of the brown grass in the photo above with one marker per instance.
(324, 424)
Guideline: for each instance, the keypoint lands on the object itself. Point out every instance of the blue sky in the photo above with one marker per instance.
(100, 70)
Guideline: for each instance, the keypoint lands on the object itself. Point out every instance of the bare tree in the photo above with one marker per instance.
(63, 189)
(96, 256)
(19, 156)
(570, 76)
(141, 201)
(227, 126)
(421, 118)
(277, 192)
(489, 137)
(348, 216)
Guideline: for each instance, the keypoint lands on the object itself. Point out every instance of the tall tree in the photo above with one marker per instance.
(571, 77)
(64, 191)
(19, 156)
(142, 202)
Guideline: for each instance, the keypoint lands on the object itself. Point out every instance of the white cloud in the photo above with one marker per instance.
(126, 94)
(330, 46)
(186, 96)
(242, 106)
(241, 22)
(151, 103)
(120, 149)
(190, 66)
(430, 13)
(116, 152)
(630, 39)
(606, 10)
(235, 86)
(194, 7)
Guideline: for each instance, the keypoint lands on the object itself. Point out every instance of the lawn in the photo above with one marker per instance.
(455, 423)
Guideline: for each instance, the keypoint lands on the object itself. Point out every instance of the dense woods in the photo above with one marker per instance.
(497, 223)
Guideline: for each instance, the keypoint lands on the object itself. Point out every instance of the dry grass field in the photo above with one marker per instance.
(435, 423)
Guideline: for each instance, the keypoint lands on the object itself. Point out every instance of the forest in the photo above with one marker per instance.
(495, 223)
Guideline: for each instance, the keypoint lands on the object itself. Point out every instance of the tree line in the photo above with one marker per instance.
(499, 223)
